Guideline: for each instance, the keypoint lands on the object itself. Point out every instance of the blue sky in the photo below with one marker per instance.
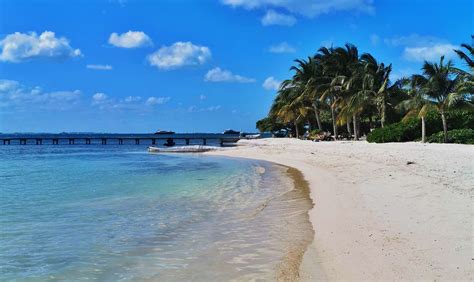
(193, 66)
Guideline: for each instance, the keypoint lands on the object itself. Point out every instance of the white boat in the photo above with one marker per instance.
(252, 136)
(182, 149)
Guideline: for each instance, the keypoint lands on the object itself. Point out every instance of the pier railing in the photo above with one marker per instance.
(116, 140)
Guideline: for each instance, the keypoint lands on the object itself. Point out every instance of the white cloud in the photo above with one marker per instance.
(271, 83)
(99, 67)
(272, 17)
(429, 53)
(7, 85)
(14, 94)
(307, 8)
(282, 47)
(413, 40)
(151, 101)
(194, 109)
(133, 103)
(100, 98)
(374, 39)
(422, 47)
(219, 75)
(130, 39)
(202, 97)
(213, 108)
(179, 54)
(131, 99)
(18, 47)
(399, 73)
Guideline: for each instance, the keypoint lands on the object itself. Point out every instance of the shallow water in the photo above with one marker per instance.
(119, 213)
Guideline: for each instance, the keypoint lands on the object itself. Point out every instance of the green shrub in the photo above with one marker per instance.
(411, 129)
(461, 136)
(397, 132)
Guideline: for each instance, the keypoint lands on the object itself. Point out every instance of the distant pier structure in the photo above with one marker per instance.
(117, 139)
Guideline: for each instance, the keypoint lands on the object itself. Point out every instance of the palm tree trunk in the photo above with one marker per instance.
(349, 129)
(445, 127)
(296, 130)
(334, 125)
(356, 135)
(423, 130)
(316, 113)
(382, 115)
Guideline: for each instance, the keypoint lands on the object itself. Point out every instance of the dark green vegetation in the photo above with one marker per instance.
(349, 94)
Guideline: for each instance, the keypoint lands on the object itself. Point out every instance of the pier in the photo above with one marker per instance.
(148, 139)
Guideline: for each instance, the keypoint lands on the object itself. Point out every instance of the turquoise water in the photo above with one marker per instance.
(120, 213)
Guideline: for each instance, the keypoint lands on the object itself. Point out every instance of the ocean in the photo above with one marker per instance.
(107, 213)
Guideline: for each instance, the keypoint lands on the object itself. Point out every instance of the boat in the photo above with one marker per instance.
(231, 131)
(163, 132)
(182, 149)
(252, 136)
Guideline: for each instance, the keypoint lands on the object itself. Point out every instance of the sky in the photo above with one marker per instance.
(193, 66)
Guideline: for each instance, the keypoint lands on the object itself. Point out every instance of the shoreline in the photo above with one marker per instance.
(289, 268)
(376, 214)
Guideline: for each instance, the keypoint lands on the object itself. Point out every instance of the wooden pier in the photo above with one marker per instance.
(116, 140)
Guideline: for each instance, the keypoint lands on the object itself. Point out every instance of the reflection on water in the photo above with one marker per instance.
(120, 213)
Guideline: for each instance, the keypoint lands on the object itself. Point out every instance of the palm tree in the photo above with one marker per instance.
(468, 86)
(306, 77)
(287, 107)
(443, 84)
(417, 104)
(339, 66)
(345, 83)
(376, 83)
(469, 57)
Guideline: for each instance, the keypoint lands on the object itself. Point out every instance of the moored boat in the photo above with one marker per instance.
(231, 131)
(163, 132)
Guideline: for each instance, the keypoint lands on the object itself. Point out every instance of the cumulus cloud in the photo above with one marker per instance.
(220, 75)
(414, 40)
(282, 47)
(420, 48)
(429, 53)
(99, 67)
(178, 55)
(307, 8)
(16, 95)
(100, 98)
(130, 39)
(131, 99)
(151, 101)
(271, 83)
(272, 17)
(131, 103)
(19, 47)
(195, 109)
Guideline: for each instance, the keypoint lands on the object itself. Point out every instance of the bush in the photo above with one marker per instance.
(411, 129)
(461, 136)
(397, 132)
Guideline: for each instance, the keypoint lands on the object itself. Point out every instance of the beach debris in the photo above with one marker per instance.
(410, 162)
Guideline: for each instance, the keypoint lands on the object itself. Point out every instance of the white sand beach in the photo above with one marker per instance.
(381, 211)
